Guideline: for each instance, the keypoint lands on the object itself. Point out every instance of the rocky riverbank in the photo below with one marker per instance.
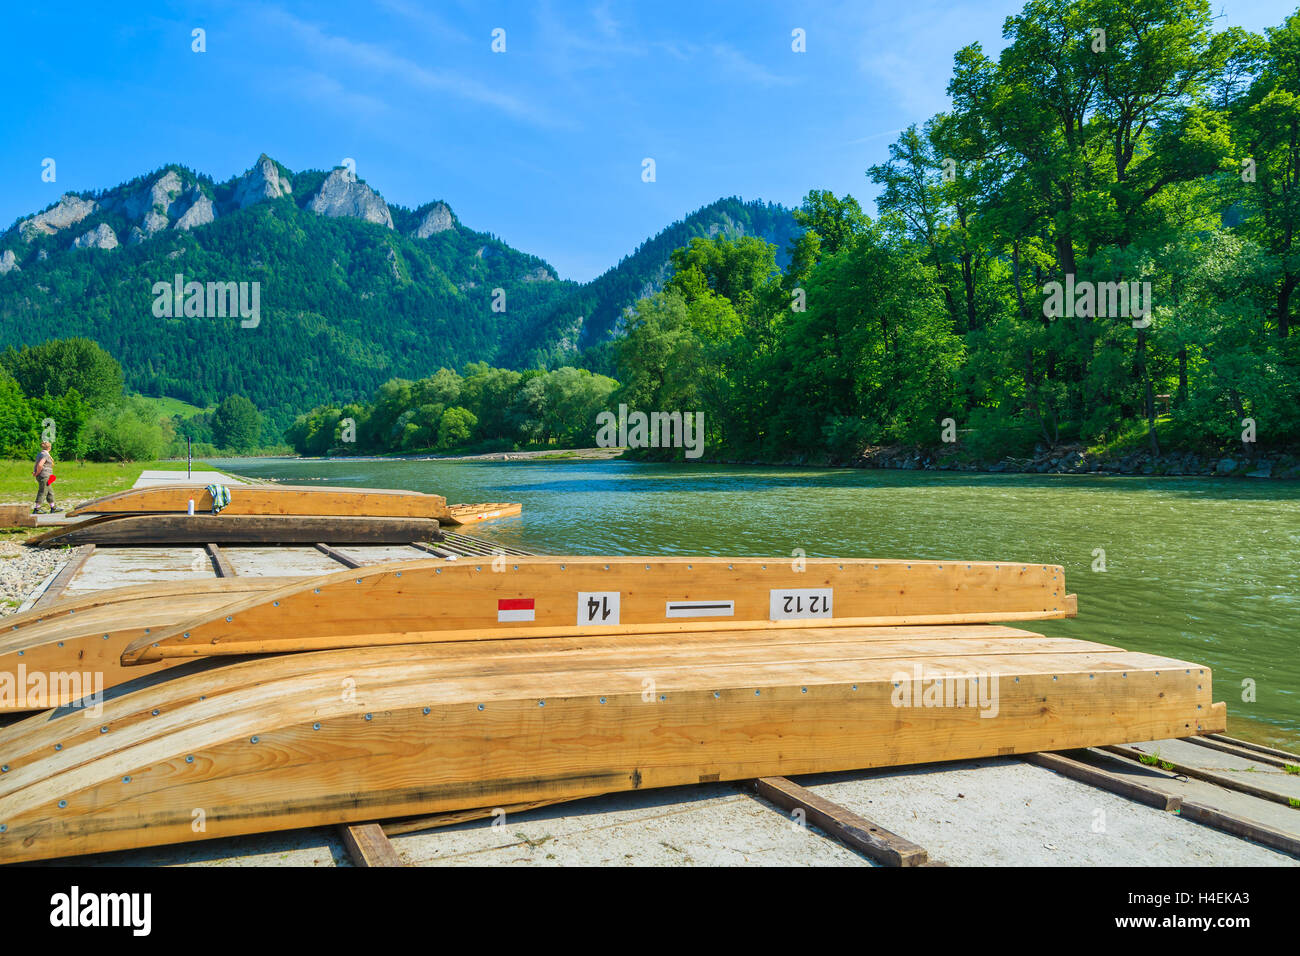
(21, 570)
(1075, 460)
(1061, 460)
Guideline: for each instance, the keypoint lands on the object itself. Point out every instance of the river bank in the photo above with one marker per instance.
(1061, 460)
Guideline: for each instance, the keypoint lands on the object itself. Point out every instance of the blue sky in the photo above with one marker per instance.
(541, 145)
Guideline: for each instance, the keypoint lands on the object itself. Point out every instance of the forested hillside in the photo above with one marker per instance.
(1097, 244)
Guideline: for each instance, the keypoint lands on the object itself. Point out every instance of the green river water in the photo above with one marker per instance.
(1204, 570)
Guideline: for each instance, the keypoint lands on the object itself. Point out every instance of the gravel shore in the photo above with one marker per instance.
(21, 570)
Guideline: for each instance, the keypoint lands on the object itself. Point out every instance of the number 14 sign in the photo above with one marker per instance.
(597, 607)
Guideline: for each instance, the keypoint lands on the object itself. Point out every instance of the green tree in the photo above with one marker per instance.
(236, 424)
(54, 367)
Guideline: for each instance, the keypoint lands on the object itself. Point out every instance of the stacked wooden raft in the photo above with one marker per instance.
(266, 514)
(428, 686)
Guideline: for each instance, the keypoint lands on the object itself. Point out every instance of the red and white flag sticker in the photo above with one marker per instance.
(516, 609)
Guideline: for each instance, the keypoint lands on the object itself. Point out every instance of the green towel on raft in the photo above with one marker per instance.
(220, 497)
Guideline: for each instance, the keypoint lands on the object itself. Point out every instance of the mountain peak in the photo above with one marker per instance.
(342, 194)
(263, 181)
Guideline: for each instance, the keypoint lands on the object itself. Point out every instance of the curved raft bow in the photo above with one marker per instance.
(55, 655)
(246, 746)
(415, 602)
(295, 500)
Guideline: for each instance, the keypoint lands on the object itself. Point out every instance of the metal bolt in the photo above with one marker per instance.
(541, 703)
(62, 804)
(189, 759)
(368, 716)
(252, 740)
(229, 619)
(126, 779)
(315, 726)
(58, 746)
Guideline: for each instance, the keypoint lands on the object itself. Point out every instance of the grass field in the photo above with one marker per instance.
(167, 407)
(76, 482)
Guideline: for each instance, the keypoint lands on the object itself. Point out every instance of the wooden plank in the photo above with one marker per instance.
(368, 846)
(17, 516)
(453, 817)
(271, 500)
(1265, 835)
(271, 743)
(1283, 755)
(1105, 780)
(424, 601)
(1227, 781)
(219, 562)
(1243, 752)
(64, 577)
(71, 649)
(855, 832)
(472, 514)
(173, 529)
(337, 555)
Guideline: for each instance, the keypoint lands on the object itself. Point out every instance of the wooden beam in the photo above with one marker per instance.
(1105, 780)
(1243, 752)
(1129, 752)
(219, 561)
(855, 832)
(338, 556)
(1270, 837)
(156, 529)
(430, 549)
(368, 846)
(65, 576)
(1193, 810)
(1249, 745)
(452, 817)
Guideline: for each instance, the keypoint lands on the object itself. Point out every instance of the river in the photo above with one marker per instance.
(1206, 570)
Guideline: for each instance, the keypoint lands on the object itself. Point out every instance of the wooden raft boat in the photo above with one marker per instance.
(270, 500)
(303, 500)
(182, 529)
(58, 654)
(247, 746)
(417, 602)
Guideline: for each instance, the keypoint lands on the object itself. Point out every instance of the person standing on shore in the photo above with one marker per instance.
(44, 471)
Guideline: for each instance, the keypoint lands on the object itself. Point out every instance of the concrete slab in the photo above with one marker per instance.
(1276, 815)
(378, 554)
(120, 567)
(1005, 812)
(271, 562)
(1253, 772)
(708, 825)
(319, 846)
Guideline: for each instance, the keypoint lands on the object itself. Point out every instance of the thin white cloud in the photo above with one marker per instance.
(738, 66)
(382, 62)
